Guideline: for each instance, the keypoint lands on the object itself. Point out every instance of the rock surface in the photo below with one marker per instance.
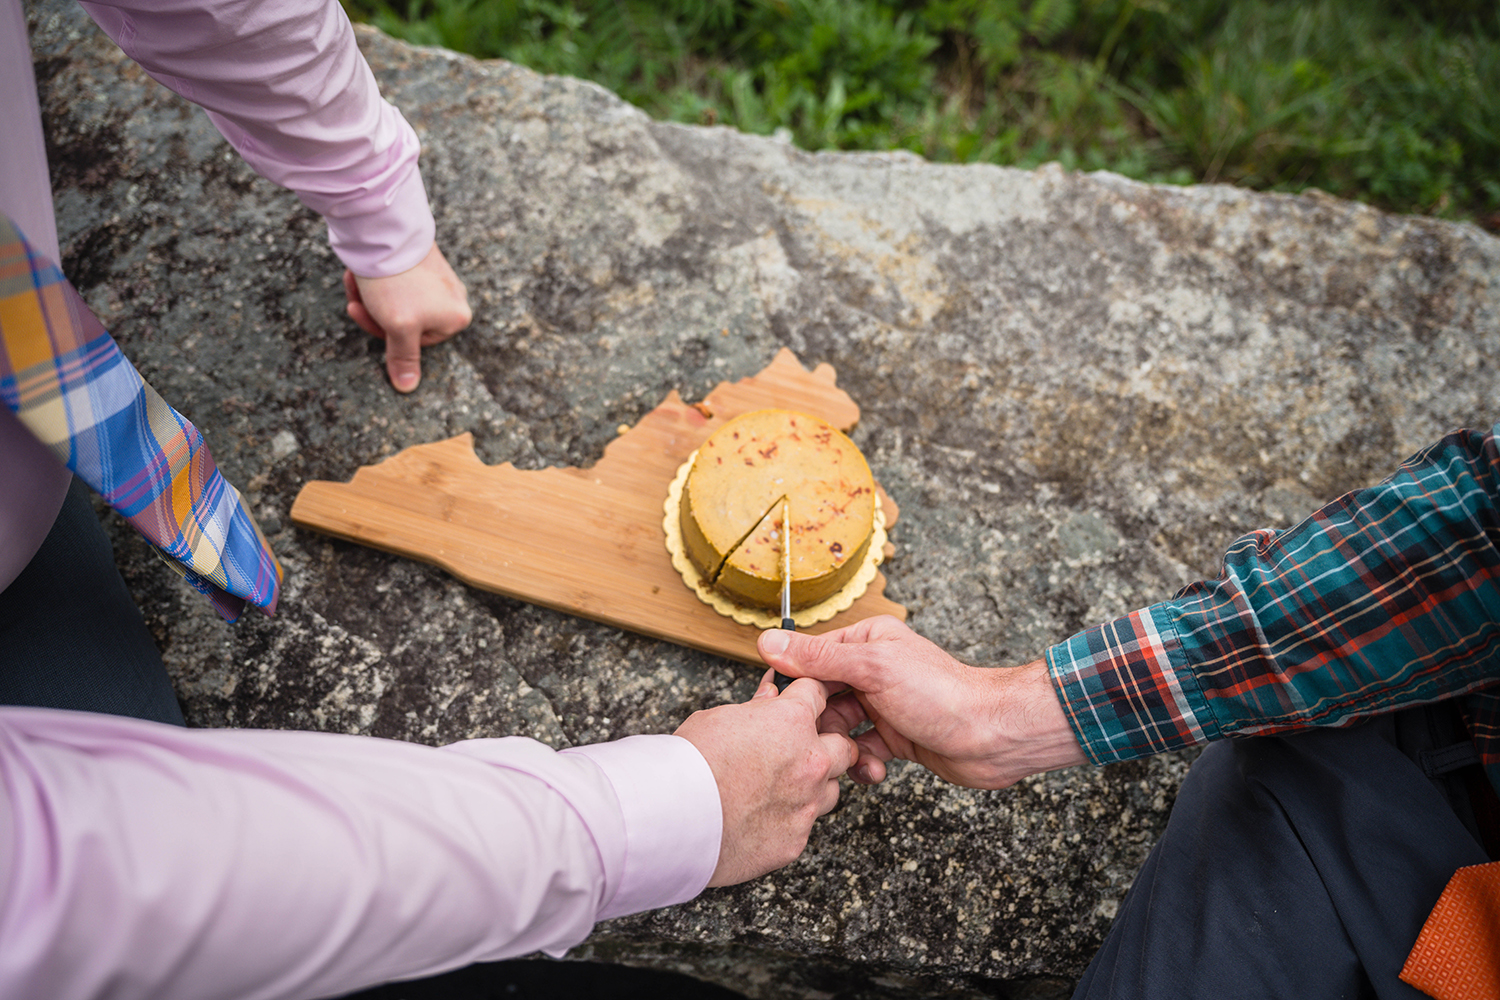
(1078, 388)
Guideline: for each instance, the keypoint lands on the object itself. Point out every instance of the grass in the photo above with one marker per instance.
(1393, 102)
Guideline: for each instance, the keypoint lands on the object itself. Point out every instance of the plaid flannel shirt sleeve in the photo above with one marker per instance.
(65, 378)
(1386, 597)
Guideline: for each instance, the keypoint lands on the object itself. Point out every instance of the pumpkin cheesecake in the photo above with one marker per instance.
(731, 509)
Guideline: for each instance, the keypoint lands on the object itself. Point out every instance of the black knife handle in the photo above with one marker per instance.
(782, 680)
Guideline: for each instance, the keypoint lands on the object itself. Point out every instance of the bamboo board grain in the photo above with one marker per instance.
(584, 541)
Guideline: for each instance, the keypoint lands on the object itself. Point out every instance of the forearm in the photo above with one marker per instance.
(219, 863)
(286, 84)
(1032, 727)
(1387, 597)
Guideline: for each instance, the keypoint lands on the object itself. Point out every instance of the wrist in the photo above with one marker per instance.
(1034, 732)
(380, 238)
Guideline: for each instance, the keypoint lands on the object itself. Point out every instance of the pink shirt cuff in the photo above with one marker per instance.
(394, 229)
(674, 822)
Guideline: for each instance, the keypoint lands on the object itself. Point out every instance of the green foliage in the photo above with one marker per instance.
(1397, 110)
(1393, 101)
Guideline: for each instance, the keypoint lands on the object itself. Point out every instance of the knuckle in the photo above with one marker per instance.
(814, 766)
(819, 656)
(405, 336)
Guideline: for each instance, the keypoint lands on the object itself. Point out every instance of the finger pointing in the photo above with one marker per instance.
(403, 358)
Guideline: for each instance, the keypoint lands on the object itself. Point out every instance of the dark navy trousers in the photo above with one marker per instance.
(1296, 866)
(71, 635)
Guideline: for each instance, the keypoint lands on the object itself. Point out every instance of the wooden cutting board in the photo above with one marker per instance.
(585, 541)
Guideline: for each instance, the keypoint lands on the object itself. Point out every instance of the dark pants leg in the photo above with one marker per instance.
(70, 633)
(1300, 866)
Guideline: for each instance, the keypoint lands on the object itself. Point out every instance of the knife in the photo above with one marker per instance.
(787, 622)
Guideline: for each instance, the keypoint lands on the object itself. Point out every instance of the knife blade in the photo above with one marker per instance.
(787, 621)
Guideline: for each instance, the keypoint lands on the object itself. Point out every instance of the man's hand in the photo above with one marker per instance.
(776, 773)
(409, 311)
(981, 727)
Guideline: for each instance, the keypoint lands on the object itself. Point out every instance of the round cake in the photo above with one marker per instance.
(745, 475)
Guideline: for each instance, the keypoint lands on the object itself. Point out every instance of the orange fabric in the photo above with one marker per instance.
(1457, 955)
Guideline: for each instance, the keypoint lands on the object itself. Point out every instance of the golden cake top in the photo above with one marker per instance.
(734, 500)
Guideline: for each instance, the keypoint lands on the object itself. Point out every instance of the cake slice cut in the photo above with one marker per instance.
(732, 500)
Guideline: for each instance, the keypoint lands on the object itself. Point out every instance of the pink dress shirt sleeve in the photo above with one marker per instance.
(143, 860)
(32, 490)
(286, 84)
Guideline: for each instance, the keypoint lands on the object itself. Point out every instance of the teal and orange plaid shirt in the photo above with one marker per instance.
(63, 375)
(1386, 598)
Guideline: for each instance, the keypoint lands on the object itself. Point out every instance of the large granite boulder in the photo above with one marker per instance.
(1078, 388)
